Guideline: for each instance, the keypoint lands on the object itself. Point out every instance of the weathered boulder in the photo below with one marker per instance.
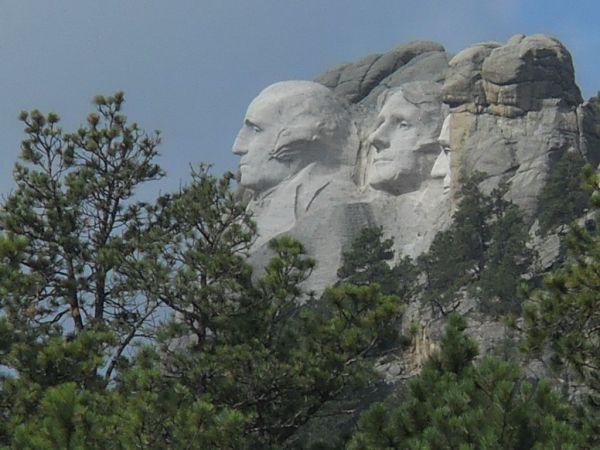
(430, 66)
(589, 134)
(529, 69)
(354, 81)
(464, 84)
(515, 110)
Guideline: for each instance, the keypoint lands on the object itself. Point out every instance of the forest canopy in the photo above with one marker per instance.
(141, 324)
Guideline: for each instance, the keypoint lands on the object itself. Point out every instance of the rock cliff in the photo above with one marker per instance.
(387, 140)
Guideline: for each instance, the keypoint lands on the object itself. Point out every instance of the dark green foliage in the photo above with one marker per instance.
(278, 363)
(66, 229)
(564, 197)
(70, 303)
(196, 263)
(472, 219)
(457, 403)
(506, 258)
(564, 314)
(456, 256)
(367, 258)
(41, 364)
(484, 251)
(370, 259)
(87, 275)
(445, 272)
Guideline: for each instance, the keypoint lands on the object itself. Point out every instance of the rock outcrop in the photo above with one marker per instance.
(515, 109)
(526, 71)
(413, 122)
(412, 61)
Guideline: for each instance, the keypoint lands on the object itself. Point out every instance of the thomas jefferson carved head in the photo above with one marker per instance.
(404, 143)
(290, 125)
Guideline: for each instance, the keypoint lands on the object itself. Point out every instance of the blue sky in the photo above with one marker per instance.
(190, 67)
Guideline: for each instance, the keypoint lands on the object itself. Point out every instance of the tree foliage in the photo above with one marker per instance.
(564, 315)
(370, 259)
(458, 403)
(252, 383)
(196, 264)
(66, 229)
(564, 197)
(484, 250)
(140, 325)
(276, 361)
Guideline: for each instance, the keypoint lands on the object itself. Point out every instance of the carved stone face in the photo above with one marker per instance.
(441, 167)
(403, 144)
(259, 168)
(287, 127)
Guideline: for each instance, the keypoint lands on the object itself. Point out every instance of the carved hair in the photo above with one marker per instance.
(425, 95)
(313, 118)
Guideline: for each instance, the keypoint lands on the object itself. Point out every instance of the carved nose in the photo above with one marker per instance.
(378, 141)
(238, 147)
(441, 167)
(444, 143)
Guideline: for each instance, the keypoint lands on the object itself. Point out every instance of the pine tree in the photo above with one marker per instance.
(458, 403)
(483, 252)
(456, 256)
(564, 197)
(370, 260)
(564, 315)
(196, 264)
(274, 360)
(69, 308)
(507, 257)
(66, 229)
(86, 361)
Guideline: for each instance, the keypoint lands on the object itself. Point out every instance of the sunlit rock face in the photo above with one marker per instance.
(406, 168)
(387, 140)
(397, 103)
(298, 147)
(364, 80)
(515, 110)
(401, 171)
(404, 142)
(288, 127)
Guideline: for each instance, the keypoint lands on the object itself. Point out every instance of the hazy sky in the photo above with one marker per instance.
(190, 67)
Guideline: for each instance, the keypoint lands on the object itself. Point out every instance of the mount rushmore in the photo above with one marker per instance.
(386, 140)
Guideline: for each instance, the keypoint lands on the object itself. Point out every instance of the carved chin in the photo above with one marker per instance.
(251, 181)
(393, 182)
(259, 182)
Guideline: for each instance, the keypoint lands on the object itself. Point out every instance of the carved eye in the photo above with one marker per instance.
(255, 128)
(403, 124)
